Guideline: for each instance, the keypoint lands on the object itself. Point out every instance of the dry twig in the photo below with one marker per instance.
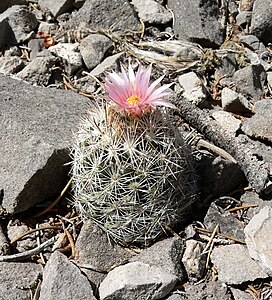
(71, 241)
(241, 207)
(33, 230)
(221, 235)
(24, 255)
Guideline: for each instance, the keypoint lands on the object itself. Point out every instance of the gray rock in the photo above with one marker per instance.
(107, 64)
(255, 58)
(259, 126)
(69, 54)
(251, 197)
(208, 291)
(11, 65)
(4, 4)
(235, 266)
(36, 132)
(261, 23)
(250, 81)
(197, 21)
(232, 8)
(269, 81)
(86, 84)
(13, 51)
(47, 27)
(193, 259)
(35, 46)
(171, 250)
(235, 102)
(93, 248)
(263, 153)
(38, 71)
(244, 18)
(56, 7)
(16, 25)
(227, 121)
(138, 281)
(259, 239)
(177, 296)
(114, 15)
(252, 42)
(18, 280)
(240, 295)
(93, 49)
(150, 11)
(62, 280)
(227, 223)
(27, 243)
(193, 87)
(226, 68)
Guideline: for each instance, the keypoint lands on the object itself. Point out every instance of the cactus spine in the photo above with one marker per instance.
(131, 176)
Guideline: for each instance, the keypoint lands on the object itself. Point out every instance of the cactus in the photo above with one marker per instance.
(131, 176)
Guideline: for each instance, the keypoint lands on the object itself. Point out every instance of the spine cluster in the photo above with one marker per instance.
(131, 176)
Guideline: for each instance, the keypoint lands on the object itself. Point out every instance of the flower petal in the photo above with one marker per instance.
(158, 93)
(124, 86)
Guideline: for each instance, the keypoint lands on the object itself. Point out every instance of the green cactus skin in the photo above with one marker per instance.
(131, 176)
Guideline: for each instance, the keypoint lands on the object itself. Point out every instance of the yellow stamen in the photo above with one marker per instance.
(133, 100)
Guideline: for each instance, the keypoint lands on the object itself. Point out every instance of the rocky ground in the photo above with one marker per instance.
(54, 55)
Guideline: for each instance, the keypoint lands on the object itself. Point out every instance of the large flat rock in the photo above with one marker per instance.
(37, 126)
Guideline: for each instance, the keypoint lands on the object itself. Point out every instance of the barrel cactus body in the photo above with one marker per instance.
(132, 176)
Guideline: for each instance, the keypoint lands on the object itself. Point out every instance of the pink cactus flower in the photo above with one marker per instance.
(132, 93)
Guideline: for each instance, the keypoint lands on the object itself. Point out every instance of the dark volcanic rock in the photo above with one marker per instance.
(261, 23)
(197, 21)
(36, 133)
(104, 14)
